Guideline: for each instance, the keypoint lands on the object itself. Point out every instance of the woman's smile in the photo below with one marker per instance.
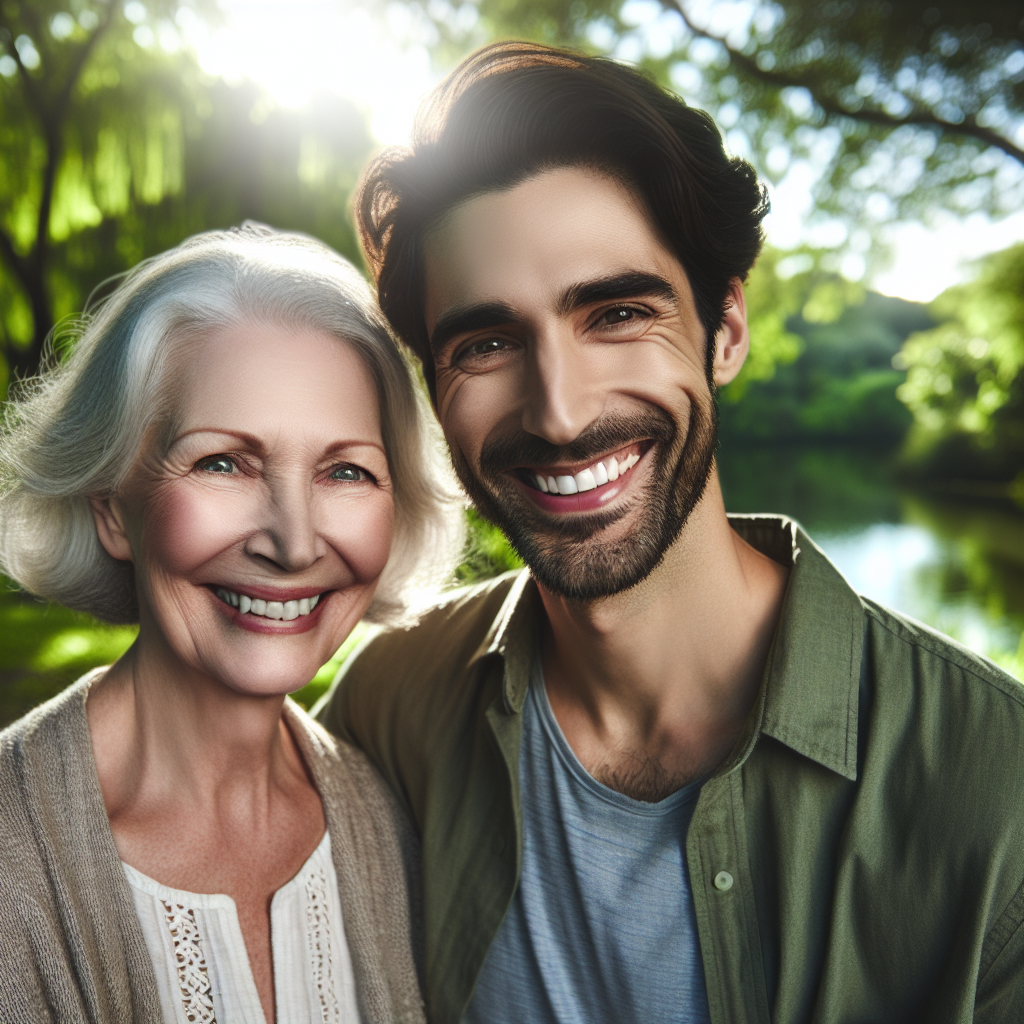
(263, 610)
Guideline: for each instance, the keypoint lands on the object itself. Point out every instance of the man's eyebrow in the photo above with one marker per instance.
(620, 286)
(463, 319)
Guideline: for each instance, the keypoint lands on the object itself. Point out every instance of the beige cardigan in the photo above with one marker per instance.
(71, 947)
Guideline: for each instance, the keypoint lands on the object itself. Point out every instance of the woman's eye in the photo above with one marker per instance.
(217, 464)
(348, 474)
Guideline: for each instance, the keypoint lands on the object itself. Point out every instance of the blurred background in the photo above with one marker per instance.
(882, 403)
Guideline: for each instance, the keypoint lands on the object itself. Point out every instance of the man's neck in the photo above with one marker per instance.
(652, 686)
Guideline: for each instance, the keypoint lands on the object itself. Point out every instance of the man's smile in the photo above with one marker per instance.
(570, 487)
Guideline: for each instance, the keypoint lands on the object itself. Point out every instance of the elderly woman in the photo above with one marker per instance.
(236, 457)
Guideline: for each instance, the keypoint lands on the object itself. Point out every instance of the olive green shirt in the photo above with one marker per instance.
(858, 858)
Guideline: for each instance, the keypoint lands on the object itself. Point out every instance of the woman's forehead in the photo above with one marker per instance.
(272, 380)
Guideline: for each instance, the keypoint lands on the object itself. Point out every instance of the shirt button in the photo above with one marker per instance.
(723, 881)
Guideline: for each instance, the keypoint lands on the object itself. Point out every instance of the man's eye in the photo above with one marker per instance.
(480, 354)
(483, 348)
(348, 474)
(217, 464)
(620, 315)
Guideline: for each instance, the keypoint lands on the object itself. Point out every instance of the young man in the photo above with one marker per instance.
(678, 770)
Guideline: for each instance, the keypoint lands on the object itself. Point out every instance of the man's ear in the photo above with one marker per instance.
(732, 343)
(110, 528)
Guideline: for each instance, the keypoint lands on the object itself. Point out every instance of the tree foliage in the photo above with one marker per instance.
(115, 146)
(909, 105)
(965, 377)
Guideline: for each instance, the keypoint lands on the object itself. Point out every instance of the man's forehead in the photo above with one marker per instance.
(550, 232)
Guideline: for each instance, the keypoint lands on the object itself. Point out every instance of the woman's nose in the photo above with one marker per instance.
(287, 536)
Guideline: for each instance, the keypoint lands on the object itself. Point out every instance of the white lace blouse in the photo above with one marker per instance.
(202, 967)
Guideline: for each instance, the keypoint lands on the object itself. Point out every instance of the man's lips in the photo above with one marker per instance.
(581, 488)
(578, 479)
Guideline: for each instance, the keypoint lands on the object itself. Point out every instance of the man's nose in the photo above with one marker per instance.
(288, 536)
(564, 393)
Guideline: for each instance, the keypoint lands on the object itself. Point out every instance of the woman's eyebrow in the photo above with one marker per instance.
(630, 285)
(250, 440)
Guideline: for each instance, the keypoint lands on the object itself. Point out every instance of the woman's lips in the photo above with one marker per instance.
(259, 615)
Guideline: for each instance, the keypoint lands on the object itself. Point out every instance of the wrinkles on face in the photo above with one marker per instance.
(602, 348)
(276, 486)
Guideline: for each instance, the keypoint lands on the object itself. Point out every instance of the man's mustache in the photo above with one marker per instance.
(521, 449)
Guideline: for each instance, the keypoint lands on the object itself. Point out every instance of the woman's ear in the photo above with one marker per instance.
(732, 343)
(110, 528)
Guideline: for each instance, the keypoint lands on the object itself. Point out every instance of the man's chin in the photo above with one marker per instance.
(599, 553)
(580, 557)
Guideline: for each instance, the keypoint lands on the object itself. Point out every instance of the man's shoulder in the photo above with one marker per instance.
(446, 637)
(397, 669)
(949, 718)
(905, 647)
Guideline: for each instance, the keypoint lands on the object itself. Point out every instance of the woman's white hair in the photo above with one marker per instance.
(76, 430)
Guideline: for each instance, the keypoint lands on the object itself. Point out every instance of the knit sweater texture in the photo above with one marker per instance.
(71, 947)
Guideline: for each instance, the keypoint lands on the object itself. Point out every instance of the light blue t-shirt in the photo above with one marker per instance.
(601, 927)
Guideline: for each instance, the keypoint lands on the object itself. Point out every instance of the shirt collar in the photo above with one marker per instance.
(513, 637)
(809, 696)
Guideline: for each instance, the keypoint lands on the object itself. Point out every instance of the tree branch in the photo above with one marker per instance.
(920, 118)
(10, 254)
(52, 122)
(7, 38)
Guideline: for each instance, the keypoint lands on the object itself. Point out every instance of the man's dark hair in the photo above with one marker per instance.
(514, 109)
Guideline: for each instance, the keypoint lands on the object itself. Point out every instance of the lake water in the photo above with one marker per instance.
(953, 563)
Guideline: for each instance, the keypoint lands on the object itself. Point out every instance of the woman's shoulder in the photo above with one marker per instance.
(64, 711)
(342, 773)
(43, 749)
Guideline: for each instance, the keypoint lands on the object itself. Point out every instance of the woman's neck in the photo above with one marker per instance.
(165, 736)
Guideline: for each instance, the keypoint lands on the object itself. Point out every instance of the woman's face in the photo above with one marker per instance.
(259, 535)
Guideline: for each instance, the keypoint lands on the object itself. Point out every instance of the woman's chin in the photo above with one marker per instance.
(266, 670)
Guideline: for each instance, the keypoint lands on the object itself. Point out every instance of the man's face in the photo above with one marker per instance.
(571, 380)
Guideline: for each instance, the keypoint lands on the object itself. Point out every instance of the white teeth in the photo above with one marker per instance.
(284, 610)
(585, 480)
(597, 475)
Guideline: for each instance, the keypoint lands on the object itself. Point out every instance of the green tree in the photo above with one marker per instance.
(89, 122)
(908, 105)
(114, 146)
(965, 378)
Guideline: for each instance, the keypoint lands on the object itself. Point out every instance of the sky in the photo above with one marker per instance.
(296, 48)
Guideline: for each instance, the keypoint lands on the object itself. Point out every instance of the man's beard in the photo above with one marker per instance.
(566, 553)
